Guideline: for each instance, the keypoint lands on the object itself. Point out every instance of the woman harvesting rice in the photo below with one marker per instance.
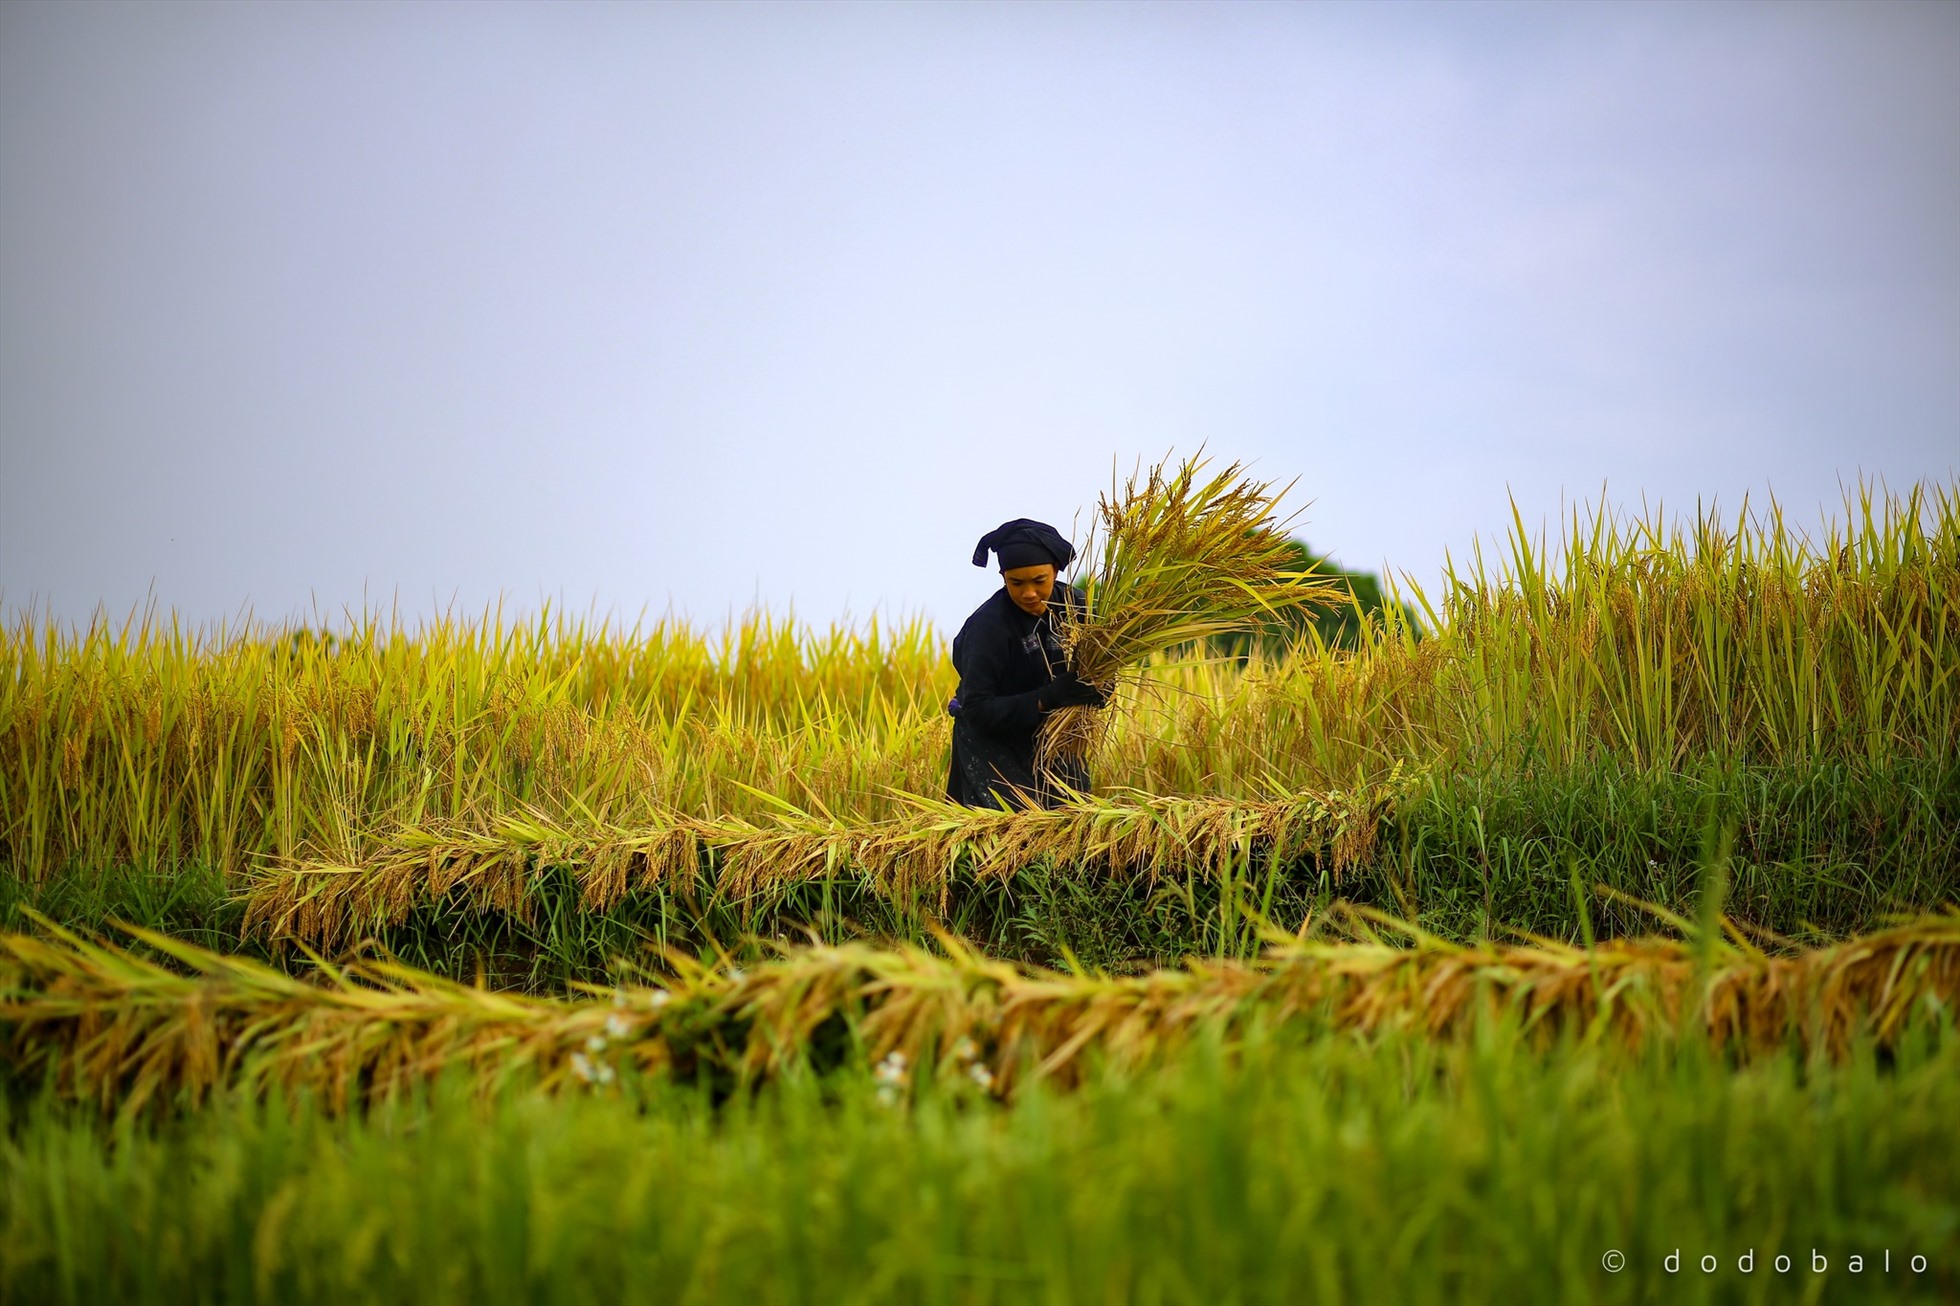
(1014, 671)
(1183, 556)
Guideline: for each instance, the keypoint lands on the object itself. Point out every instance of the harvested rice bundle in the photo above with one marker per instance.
(330, 902)
(1178, 557)
(100, 1022)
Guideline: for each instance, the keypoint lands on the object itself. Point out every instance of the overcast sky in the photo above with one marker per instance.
(632, 307)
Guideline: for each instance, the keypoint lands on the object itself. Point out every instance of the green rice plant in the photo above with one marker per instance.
(106, 1025)
(1261, 1170)
(1817, 851)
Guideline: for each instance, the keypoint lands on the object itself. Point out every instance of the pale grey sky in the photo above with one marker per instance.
(639, 306)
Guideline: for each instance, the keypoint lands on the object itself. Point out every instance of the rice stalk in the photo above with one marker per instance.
(106, 1025)
(1178, 555)
(1650, 643)
(329, 903)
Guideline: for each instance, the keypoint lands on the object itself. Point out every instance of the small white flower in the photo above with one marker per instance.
(596, 1044)
(605, 1073)
(659, 998)
(966, 1049)
(582, 1067)
(982, 1076)
(617, 1027)
(891, 1071)
(734, 973)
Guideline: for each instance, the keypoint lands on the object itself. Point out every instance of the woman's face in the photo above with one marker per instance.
(1030, 588)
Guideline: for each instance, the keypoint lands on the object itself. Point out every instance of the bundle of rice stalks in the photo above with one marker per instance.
(102, 1024)
(1177, 557)
(331, 902)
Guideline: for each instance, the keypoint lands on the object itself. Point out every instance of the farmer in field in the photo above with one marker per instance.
(1013, 673)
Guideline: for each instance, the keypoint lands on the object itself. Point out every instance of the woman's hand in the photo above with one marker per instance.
(1069, 690)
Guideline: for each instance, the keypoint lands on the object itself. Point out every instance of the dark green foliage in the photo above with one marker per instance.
(1828, 849)
(188, 901)
(1340, 625)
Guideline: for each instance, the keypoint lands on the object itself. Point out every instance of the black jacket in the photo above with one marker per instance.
(1005, 658)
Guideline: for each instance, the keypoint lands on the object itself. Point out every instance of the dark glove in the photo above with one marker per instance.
(1069, 690)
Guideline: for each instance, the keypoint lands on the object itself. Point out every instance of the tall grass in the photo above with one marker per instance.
(147, 743)
(1657, 640)
(1563, 691)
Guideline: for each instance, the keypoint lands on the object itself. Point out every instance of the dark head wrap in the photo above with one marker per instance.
(1024, 543)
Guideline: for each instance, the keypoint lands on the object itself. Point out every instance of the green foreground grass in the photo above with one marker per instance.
(1335, 1169)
